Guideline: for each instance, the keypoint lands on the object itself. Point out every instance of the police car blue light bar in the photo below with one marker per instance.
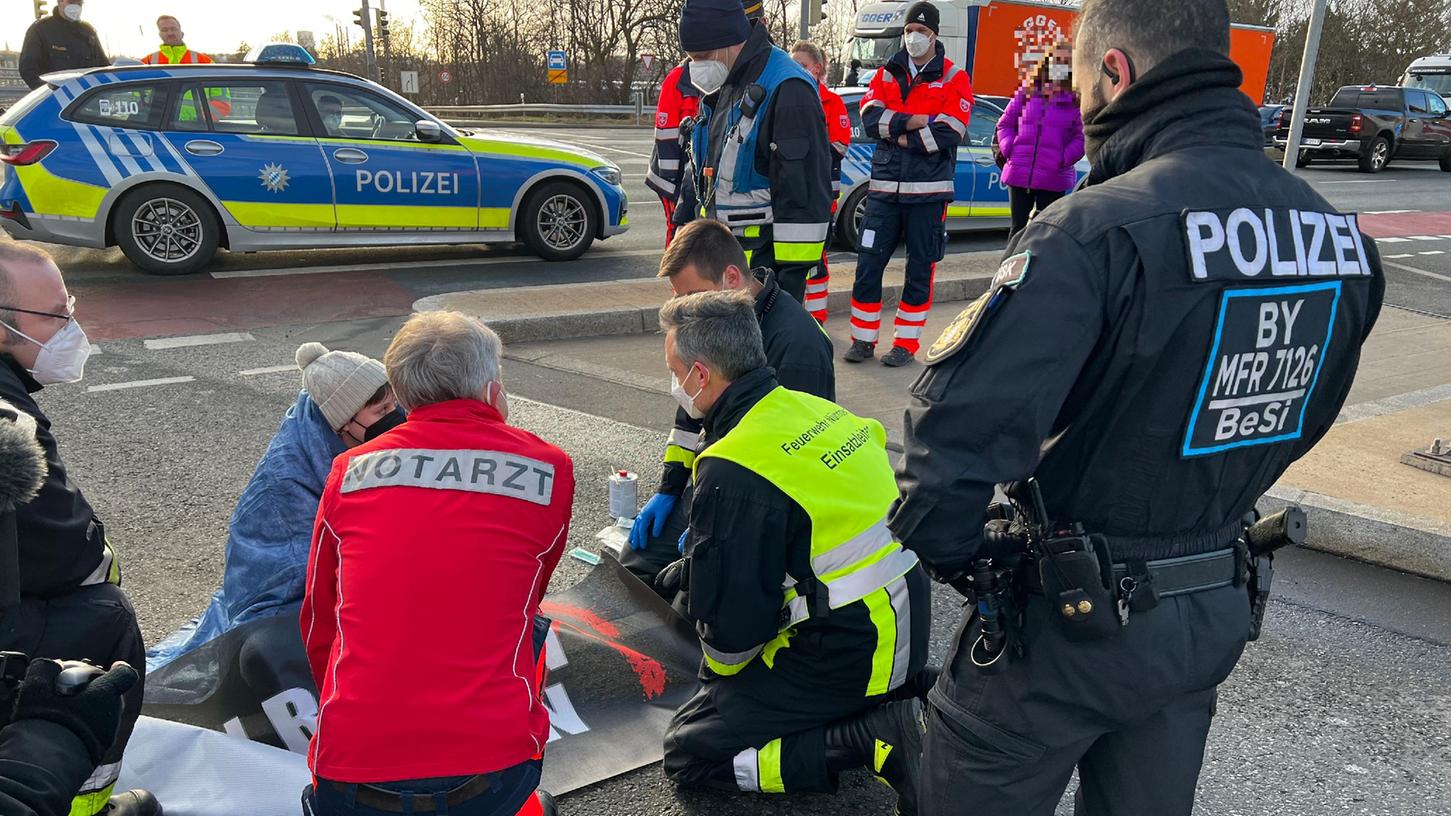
(279, 54)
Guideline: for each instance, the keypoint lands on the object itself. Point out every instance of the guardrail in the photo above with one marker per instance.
(465, 113)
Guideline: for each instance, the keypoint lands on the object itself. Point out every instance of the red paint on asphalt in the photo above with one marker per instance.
(201, 305)
(588, 624)
(1396, 225)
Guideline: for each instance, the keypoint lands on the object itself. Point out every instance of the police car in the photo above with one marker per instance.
(981, 198)
(171, 162)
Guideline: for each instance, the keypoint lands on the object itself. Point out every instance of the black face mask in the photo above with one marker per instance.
(388, 422)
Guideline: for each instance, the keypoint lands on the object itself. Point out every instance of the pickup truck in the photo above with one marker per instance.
(1372, 125)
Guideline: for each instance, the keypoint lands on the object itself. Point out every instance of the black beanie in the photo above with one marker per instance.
(706, 25)
(924, 13)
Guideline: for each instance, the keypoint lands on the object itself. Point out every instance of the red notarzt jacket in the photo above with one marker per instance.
(676, 102)
(433, 546)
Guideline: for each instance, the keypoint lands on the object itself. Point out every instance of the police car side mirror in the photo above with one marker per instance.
(427, 131)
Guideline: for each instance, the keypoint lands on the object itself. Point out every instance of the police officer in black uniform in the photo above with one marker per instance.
(60, 42)
(1155, 351)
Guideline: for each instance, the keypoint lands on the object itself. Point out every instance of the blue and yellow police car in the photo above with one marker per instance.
(980, 196)
(171, 162)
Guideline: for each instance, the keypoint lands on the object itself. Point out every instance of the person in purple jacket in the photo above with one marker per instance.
(1041, 135)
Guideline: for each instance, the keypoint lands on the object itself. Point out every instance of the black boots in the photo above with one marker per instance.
(886, 739)
(132, 803)
(860, 350)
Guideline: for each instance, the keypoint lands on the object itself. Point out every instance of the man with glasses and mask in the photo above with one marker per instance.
(345, 401)
(71, 603)
(1124, 357)
(759, 160)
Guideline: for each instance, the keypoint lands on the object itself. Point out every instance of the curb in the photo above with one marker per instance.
(644, 319)
(1370, 534)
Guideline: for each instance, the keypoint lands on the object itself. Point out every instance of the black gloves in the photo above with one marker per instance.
(92, 713)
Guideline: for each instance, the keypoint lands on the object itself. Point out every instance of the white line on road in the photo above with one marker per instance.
(1388, 212)
(138, 384)
(1403, 255)
(1433, 252)
(598, 146)
(1360, 181)
(252, 372)
(198, 340)
(1395, 240)
(1425, 237)
(441, 264)
(1405, 268)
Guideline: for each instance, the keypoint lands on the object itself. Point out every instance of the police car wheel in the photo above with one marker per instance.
(1303, 158)
(853, 210)
(166, 229)
(558, 221)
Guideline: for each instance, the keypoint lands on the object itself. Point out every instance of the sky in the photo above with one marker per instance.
(128, 27)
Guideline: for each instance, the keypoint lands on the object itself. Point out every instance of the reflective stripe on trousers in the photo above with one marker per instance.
(759, 771)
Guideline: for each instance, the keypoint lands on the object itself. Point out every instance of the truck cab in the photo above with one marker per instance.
(1430, 74)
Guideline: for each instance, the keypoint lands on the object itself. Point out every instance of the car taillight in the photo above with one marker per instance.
(24, 155)
(1355, 123)
(1285, 117)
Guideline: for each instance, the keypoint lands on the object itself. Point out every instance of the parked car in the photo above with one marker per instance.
(981, 198)
(1270, 121)
(1373, 125)
(172, 162)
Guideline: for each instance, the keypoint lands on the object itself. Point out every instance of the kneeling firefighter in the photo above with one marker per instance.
(810, 614)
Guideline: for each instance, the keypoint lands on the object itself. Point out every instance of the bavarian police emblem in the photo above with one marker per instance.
(1010, 275)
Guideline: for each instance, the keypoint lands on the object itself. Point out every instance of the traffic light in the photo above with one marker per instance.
(383, 23)
(360, 18)
(39, 9)
(814, 11)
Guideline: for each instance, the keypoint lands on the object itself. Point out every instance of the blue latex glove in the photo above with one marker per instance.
(651, 521)
(683, 536)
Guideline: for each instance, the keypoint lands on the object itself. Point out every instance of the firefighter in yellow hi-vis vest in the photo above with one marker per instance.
(812, 618)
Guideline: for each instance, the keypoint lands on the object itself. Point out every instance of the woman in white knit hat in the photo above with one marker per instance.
(345, 400)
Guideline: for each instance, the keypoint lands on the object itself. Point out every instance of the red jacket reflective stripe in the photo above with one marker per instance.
(433, 546)
(675, 104)
(838, 132)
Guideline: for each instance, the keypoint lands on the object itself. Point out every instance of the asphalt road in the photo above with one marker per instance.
(1342, 708)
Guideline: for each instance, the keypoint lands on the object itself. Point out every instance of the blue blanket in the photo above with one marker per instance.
(270, 533)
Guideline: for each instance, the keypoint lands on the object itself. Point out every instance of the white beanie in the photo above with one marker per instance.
(340, 382)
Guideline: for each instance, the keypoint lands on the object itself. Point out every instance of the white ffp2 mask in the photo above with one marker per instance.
(917, 43)
(708, 75)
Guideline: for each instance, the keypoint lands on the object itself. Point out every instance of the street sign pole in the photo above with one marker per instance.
(1302, 90)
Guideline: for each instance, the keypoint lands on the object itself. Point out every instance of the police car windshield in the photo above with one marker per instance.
(875, 51)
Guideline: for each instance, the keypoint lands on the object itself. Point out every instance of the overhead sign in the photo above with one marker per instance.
(409, 83)
(620, 660)
(445, 77)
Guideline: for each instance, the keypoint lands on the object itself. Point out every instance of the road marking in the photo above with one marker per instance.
(440, 264)
(252, 372)
(1433, 252)
(1403, 255)
(198, 340)
(1392, 240)
(1405, 268)
(1388, 212)
(138, 384)
(598, 146)
(1361, 181)
(1395, 404)
(1425, 237)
